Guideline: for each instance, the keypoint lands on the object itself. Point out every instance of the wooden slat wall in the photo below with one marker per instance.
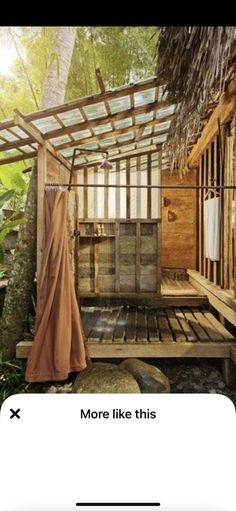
(178, 245)
(117, 203)
(216, 168)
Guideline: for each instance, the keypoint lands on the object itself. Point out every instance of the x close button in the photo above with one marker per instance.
(15, 413)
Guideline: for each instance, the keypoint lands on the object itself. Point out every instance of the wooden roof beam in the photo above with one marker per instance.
(132, 112)
(118, 132)
(33, 132)
(121, 156)
(117, 145)
(224, 111)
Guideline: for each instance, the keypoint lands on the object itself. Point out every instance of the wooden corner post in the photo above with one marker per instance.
(41, 180)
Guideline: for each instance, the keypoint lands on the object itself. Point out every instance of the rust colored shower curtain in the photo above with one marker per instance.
(59, 344)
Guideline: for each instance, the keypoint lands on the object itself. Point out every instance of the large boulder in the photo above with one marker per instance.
(99, 378)
(149, 377)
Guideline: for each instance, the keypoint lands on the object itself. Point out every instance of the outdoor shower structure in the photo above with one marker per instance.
(135, 227)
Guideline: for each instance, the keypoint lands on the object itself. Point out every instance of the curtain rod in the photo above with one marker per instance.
(175, 187)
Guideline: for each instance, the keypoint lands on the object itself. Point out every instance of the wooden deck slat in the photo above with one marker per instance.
(164, 329)
(130, 330)
(153, 332)
(178, 333)
(99, 327)
(218, 326)
(190, 334)
(141, 326)
(109, 329)
(150, 332)
(214, 334)
(88, 320)
(148, 350)
(199, 331)
(119, 330)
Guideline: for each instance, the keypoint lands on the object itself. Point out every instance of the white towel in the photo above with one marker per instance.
(212, 228)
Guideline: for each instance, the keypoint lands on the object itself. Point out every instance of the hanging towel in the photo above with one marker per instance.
(59, 346)
(212, 228)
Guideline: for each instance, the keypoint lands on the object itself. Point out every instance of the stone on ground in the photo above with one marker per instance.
(101, 377)
(149, 378)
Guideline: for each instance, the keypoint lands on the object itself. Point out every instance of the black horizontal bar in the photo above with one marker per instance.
(174, 187)
(119, 504)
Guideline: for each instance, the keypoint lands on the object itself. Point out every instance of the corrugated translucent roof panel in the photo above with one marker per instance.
(126, 136)
(95, 111)
(162, 126)
(71, 117)
(163, 112)
(144, 118)
(60, 140)
(18, 131)
(102, 129)
(89, 145)
(82, 134)
(144, 97)
(127, 148)
(125, 123)
(107, 141)
(27, 148)
(46, 124)
(8, 136)
(147, 130)
(119, 104)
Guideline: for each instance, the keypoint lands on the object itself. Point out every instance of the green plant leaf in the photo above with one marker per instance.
(5, 197)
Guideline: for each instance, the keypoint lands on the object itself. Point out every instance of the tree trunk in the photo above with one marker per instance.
(58, 68)
(20, 285)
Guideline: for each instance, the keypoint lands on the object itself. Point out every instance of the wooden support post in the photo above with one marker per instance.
(215, 263)
(106, 193)
(128, 189)
(138, 254)
(138, 192)
(149, 182)
(117, 256)
(204, 244)
(229, 371)
(41, 180)
(85, 190)
(234, 182)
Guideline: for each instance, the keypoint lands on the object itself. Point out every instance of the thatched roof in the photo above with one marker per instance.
(194, 63)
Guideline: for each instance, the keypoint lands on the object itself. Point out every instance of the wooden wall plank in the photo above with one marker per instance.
(138, 191)
(138, 253)
(128, 189)
(117, 189)
(117, 256)
(85, 192)
(214, 161)
(149, 182)
(106, 193)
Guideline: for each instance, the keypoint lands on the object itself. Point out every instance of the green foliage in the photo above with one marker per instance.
(123, 54)
(11, 177)
(11, 378)
(6, 226)
(5, 197)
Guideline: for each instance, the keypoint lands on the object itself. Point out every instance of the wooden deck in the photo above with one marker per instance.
(151, 332)
(174, 287)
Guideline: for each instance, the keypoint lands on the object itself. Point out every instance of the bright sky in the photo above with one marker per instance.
(7, 56)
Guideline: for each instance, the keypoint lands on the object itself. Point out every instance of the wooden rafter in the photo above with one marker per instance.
(35, 133)
(128, 142)
(121, 156)
(224, 111)
(132, 112)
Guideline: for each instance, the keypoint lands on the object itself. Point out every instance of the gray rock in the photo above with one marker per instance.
(104, 378)
(149, 377)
